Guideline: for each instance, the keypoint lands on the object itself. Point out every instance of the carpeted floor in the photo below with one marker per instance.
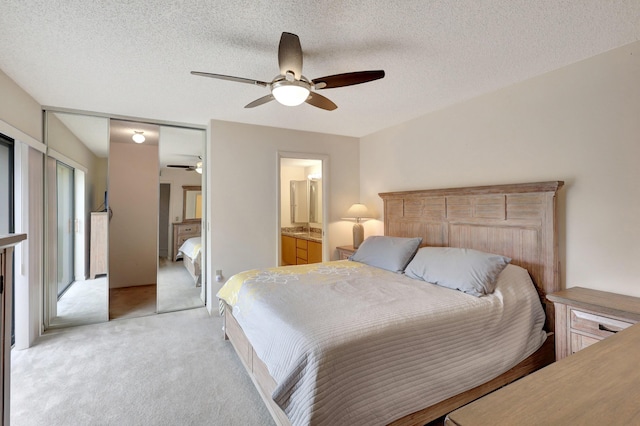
(165, 369)
(85, 302)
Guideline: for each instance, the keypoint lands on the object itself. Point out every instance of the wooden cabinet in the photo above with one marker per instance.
(300, 251)
(597, 386)
(288, 250)
(181, 233)
(584, 317)
(345, 251)
(99, 248)
(314, 252)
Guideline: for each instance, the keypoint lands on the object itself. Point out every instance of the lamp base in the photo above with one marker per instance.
(358, 235)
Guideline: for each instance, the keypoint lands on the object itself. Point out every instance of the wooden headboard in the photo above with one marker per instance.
(518, 221)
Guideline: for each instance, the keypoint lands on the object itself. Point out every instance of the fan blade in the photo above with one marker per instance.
(178, 166)
(230, 78)
(260, 101)
(347, 79)
(290, 55)
(320, 101)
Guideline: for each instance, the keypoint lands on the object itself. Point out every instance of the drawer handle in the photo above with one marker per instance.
(605, 328)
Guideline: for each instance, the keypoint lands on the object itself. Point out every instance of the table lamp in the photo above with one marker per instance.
(357, 212)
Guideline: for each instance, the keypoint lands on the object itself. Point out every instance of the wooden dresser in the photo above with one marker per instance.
(585, 316)
(182, 232)
(99, 244)
(596, 386)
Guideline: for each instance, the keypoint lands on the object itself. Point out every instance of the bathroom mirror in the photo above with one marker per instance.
(315, 212)
(192, 203)
(299, 201)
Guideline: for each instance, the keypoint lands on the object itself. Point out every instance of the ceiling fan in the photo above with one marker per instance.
(290, 87)
(188, 168)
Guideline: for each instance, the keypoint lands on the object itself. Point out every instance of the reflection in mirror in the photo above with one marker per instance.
(78, 151)
(133, 218)
(314, 201)
(181, 263)
(75, 244)
(192, 203)
(299, 201)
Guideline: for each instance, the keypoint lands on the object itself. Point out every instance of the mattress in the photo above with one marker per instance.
(352, 344)
(191, 248)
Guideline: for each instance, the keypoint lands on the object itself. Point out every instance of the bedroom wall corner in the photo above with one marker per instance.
(578, 124)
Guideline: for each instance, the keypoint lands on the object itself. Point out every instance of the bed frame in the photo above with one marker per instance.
(517, 220)
(193, 267)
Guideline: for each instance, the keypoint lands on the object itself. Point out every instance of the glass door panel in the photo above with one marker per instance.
(65, 209)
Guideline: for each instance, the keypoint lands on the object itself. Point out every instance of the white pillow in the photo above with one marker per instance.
(390, 253)
(470, 271)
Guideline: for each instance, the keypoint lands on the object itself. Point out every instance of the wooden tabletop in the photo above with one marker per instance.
(601, 301)
(599, 385)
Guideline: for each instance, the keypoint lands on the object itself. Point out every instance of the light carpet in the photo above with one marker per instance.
(166, 369)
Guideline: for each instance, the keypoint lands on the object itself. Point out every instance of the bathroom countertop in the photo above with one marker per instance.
(310, 236)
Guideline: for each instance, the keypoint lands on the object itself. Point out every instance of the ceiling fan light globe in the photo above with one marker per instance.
(138, 137)
(290, 93)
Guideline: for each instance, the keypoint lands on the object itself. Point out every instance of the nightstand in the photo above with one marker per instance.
(345, 251)
(584, 317)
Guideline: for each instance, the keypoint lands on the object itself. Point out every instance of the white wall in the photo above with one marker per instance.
(19, 109)
(243, 164)
(133, 228)
(580, 124)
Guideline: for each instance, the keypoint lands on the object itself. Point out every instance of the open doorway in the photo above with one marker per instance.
(302, 208)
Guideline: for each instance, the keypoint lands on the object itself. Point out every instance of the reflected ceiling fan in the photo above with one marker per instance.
(290, 87)
(188, 168)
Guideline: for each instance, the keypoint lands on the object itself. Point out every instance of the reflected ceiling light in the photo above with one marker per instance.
(138, 136)
(199, 167)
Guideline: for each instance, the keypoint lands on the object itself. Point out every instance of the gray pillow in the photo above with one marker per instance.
(390, 253)
(470, 271)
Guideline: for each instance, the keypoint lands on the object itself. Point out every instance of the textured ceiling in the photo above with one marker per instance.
(133, 57)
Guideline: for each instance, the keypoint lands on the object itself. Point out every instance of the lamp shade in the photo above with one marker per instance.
(357, 211)
(290, 93)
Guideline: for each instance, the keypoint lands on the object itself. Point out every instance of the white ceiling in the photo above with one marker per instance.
(133, 57)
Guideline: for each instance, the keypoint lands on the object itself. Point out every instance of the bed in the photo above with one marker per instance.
(335, 380)
(190, 251)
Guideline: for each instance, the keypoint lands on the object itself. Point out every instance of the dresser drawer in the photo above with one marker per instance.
(597, 325)
(189, 229)
(300, 243)
(182, 239)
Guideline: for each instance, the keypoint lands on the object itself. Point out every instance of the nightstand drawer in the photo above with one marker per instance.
(585, 316)
(580, 341)
(598, 325)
